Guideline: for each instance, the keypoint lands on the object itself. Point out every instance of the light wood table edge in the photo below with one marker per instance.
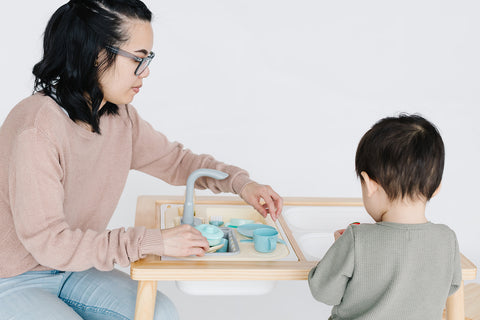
(469, 270)
(291, 239)
(455, 305)
(220, 270)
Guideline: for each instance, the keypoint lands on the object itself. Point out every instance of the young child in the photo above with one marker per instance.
(403, 266)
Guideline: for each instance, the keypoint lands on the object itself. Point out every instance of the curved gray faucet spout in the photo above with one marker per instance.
(188, 206)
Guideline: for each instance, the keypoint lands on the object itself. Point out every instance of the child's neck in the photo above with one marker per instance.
(406, 211)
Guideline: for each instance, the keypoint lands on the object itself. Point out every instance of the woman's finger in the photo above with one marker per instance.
(271, 206)
(278, 206)
(259, 207)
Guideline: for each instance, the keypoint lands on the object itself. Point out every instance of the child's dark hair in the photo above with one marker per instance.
(75, 35)
(404, 154)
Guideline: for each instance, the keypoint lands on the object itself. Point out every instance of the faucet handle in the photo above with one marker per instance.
(189, 193)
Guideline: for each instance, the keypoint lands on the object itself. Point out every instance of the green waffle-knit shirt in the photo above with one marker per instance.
(389, 271)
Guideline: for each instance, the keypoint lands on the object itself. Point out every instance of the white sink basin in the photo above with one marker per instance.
(315, 245)
(226, 288)
(323, 219)
(313, 227)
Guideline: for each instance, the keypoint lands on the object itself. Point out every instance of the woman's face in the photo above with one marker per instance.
(119, 83)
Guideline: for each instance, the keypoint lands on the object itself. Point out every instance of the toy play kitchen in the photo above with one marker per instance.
(248, 253)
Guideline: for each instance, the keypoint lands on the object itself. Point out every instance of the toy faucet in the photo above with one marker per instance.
(188, 206)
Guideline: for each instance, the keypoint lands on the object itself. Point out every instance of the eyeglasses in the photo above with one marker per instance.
(142, 62)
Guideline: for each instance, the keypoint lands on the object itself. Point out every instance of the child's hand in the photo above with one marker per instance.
(338, 233)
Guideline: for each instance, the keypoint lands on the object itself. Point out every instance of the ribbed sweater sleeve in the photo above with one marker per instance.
(36, 196)
(457, 266)
(154, 154)
(328, 280)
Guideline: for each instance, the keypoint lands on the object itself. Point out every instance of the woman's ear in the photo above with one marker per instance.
(370, 185)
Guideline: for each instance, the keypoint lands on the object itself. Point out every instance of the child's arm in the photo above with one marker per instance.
(339, 232)
(457, 269)
(328, 280)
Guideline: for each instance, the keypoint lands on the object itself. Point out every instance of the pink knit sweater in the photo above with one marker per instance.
(60, 184)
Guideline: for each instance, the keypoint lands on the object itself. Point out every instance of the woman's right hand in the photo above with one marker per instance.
(183, 241)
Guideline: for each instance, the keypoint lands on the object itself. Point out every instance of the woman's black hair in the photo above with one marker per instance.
(75, 35)
(404, 154)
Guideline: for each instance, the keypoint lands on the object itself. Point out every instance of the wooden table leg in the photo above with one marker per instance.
(455, 309)
(146, 296)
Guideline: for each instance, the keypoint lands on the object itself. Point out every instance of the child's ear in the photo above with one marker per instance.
(437, 190)
(370, 184)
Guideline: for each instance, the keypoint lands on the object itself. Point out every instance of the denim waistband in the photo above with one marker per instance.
(44, 272)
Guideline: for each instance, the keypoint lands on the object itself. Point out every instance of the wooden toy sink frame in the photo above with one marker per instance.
(152, 269)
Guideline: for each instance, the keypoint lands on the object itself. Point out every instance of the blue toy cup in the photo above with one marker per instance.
(265, 240)
(225, 246)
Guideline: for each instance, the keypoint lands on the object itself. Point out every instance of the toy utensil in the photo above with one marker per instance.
(214, 248)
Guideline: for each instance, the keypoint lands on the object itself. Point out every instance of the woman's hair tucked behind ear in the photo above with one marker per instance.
(404, 154)
(75, 35)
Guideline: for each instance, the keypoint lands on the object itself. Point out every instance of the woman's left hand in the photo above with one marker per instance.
(263, 199)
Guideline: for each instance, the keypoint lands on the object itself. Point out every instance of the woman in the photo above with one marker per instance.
(65, 156)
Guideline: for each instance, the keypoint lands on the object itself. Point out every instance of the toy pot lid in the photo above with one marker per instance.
(210, 232)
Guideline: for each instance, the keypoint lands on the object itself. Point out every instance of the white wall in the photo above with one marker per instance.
(285, 89)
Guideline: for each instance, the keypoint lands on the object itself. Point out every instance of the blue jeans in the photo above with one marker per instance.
(89, 295)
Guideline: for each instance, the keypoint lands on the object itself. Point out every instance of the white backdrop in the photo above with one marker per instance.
(285, 89)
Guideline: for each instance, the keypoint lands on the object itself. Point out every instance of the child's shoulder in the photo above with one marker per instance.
(363, 227)
(391, 226)
(442, 227)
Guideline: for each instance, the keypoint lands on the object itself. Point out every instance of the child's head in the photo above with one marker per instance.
(404, 155)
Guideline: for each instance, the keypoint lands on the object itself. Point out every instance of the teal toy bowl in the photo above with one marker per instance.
(216, 223)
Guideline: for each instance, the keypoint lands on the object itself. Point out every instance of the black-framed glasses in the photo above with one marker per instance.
(142, 62)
